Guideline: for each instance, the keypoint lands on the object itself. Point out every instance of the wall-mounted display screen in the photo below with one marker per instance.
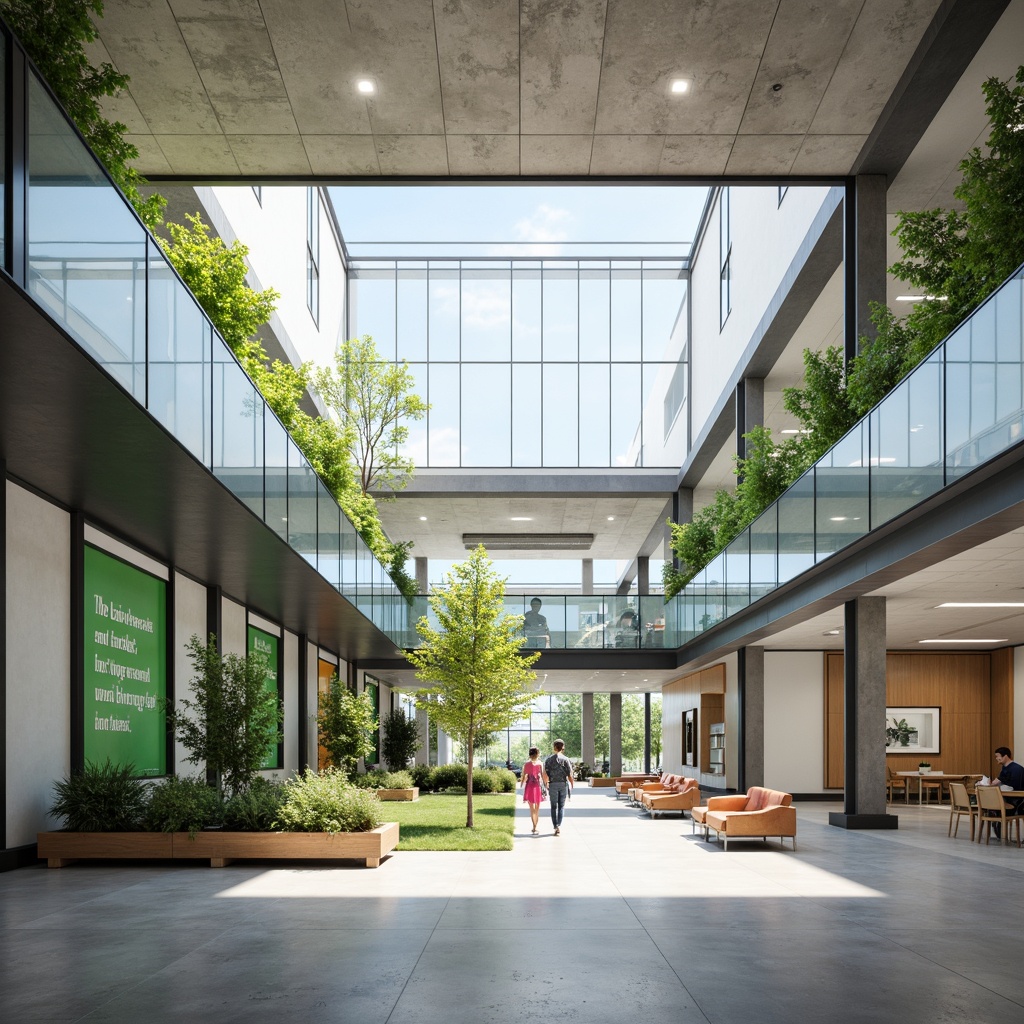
(262, 642)
(125, 651)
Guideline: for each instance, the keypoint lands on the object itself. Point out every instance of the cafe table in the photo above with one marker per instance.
(929, 777)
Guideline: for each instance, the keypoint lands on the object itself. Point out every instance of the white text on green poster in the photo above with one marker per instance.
(261, 642)
(125, 646)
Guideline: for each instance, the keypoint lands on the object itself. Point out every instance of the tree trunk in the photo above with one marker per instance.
(469, 780)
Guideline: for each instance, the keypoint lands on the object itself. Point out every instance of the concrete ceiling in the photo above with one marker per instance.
(506, 87)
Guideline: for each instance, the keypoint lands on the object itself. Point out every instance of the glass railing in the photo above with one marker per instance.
(94, 268)
(959, 408)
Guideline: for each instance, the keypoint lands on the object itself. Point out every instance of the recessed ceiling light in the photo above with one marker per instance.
(679, 86)
(366, 86)
(831, 632)
(838, 519)
(990, 640)
(423, 519)
(521, 519)
(611, 519)
(981, 604)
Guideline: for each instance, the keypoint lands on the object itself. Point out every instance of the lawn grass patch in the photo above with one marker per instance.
(437, 821)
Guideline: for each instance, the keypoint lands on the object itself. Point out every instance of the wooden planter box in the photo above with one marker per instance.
(220, 848)
(399, 794)
(605, 783)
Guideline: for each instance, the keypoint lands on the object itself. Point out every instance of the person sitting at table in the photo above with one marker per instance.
(1011, 776)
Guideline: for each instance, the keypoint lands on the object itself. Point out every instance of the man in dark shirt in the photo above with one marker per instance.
(559, 769)
(1011, 774)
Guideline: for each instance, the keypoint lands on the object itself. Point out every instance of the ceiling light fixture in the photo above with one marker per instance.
(521, 519)
(679, 86)
(528, 541)
(611, 519)
(981, 604)
(831, 632)
(423, 519)
(955, 640)
(366, 87)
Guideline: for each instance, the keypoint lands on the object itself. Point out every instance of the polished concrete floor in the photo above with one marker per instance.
(618, 919)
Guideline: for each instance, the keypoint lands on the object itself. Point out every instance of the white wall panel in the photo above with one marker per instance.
(38, 736)
(794, 717)
(189, 621)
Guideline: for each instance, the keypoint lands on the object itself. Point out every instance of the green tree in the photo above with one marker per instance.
(53, 33)
(346, 722)
(231, 717)
(400, 739)
(215, 274)
(475, 674)
(376, 399)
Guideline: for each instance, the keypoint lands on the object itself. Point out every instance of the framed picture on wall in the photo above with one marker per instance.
(912, 730)
(690, 737)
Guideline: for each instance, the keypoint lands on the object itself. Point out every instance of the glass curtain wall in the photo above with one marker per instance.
(534, 363)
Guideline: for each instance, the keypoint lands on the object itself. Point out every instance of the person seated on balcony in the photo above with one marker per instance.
(627, 632)
(535, 626)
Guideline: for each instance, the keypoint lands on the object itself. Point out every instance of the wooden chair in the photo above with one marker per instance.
(992, 810)
(959, 805)
(894, 782)
(930, 786)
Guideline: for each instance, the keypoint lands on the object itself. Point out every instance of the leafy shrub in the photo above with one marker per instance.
(101, 798)
(326, 802)
(256, 809)
(581, 771)
(367, 780)
(448, 776)
(396, 780)
(183, 805)
(506, 781)
(422, 777)
(400, 738)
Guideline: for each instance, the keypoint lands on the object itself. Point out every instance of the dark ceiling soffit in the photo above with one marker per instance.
(73, 435)
(986, 504)
(817, 259)
(610, 659)
(950, 43)
(551, 483)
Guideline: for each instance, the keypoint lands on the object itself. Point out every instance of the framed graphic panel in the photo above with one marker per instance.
(912, 730)
(262, 642)
(125, 664)
(690, 737)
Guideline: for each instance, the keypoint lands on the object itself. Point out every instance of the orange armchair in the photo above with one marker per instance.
(758, 815)
(682, 795)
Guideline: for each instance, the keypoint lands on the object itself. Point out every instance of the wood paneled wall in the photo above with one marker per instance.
(680, 696)
(973, 691)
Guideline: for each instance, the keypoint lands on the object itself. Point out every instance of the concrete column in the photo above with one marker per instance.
(615, 734)
(587, 728)
(751, 724)
(643, 574)
(423, 721)
(444, 747)
(587, 577)
(864, 718)
(749, 410)
(864, 255)
(422, 584)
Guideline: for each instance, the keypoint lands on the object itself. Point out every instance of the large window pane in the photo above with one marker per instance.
(561, 315)
(486, 314)
(764, 537)
(444, 313)
(411, 322)
(841, 489)
(796, 528)
(595, 313)
(302, 501)
(276, 445)
(626, 399)
(626, 311)
(328, 530)
(595, 414)
(663, 293)
(372, 298)
(561, 415)
(443, 418)
(86, 250)
(415, 446)
(526, 421)
(526, 315)
(179, 360)
(238, 412)
(486, 414)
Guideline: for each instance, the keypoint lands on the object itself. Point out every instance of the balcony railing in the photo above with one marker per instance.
(961, 407)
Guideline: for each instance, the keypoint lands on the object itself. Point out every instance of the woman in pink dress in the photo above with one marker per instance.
(534, 780)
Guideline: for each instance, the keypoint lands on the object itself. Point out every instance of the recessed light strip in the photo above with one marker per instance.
(981, 604)
(954, 640)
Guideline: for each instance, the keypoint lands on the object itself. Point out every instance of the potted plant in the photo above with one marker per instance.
(924, 767)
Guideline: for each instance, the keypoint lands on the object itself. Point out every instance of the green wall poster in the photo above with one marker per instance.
(125, 649)
(262, 642)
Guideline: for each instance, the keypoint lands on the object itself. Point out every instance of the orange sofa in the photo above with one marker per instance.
(757, 815)
(624, 783)
(677, 794)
